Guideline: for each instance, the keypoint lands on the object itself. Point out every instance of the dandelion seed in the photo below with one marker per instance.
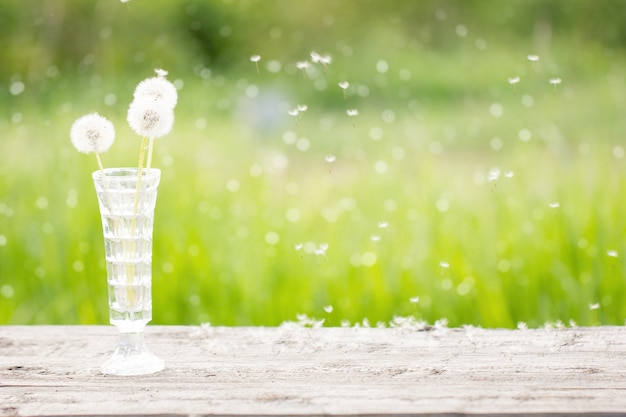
(555, 81)
(514, 81)
(533, 58)
(328, 309)
(509, 174)
(92, 133)
(256, 59)
(293, 112)
(298, 246)
(344, 86)
(555, 205)
(383, 225)
(444, 264)
(594, 306)
(522, 326)
(330, 158)
(303, 65)
(494, 174)
(160, 72)
(375, 238)
(315, 57)
(612, 253)
(414, 300)
(352, 113)
(302, 108)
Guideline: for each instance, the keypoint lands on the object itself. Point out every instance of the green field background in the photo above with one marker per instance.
(452, 195)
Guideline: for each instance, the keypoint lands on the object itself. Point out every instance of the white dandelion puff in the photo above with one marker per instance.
(92, 133)
(157, 89)
(149, 119)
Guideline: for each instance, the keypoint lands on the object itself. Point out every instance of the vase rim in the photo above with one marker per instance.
(122, 172)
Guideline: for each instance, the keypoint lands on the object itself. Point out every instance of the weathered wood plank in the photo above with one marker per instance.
(53, 370)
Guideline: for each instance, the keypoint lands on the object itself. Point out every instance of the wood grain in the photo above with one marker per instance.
(54, 370)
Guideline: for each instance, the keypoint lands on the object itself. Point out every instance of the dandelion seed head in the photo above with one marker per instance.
(157, 89)
(92, 133)
(149, 119)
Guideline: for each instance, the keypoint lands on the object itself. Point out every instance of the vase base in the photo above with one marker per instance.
(132, 357)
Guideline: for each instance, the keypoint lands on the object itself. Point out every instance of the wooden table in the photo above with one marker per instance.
(54, 370)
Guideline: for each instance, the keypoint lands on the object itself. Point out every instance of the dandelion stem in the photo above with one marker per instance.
(150, 147)
(100, 163)
(142, 151)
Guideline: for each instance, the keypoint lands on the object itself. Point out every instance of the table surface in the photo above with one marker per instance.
(291, 370)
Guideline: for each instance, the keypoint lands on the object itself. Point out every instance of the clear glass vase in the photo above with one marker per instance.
(127, 210)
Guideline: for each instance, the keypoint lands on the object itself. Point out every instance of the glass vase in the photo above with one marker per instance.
(127, 209)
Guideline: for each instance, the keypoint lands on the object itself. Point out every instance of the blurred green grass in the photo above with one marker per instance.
(497, 206)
